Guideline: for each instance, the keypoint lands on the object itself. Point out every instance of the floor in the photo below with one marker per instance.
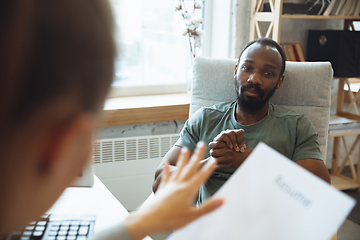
(349, 231)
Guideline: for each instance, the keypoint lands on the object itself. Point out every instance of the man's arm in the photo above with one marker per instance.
(307, 142)
(315, 166)
(171, 158)
(223, 149)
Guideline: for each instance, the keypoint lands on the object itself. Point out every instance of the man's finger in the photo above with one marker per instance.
(232, 137)
(239, 138)
(224, 137)
(222, 162)
(218, 144)
(227, 140)
(216, 153)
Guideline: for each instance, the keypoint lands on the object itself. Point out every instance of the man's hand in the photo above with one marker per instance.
(172, 207)
(227, 157)
(234, 139)
(229, 149)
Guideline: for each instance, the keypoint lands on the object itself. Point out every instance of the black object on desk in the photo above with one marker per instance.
(55, 227)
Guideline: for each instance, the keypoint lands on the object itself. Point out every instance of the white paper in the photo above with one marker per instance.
(271, 197)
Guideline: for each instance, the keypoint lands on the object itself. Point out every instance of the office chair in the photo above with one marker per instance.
(306, 89)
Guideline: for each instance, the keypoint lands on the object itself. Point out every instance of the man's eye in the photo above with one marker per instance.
(269, 74)
(245, 68)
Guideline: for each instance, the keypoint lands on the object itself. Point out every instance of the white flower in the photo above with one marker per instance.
(185, 32)
(186, 15)
(192, 26)
(199, 20)
(194, 23)
(197, 41)
(198, 5)
(198, 32)
(178, 7)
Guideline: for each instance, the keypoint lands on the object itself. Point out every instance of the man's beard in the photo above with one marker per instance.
(252, 104)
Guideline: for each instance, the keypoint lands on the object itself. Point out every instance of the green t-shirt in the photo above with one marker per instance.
(290, 133)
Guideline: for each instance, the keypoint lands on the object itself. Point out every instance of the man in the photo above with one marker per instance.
(233, 129)
(56, 65)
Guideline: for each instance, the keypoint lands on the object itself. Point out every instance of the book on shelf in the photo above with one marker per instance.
(352, 8)
(324, 8)
(343, 8)
(345, 11)
(293, 52)
(336, 5)
(330, 7)
(340, 5)
(357, 9)
(289, 51)
(299, 52)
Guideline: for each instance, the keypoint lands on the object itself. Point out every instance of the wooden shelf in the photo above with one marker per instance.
(343, 183)
(275, 16)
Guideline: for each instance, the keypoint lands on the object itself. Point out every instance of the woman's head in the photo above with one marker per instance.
(56, 66)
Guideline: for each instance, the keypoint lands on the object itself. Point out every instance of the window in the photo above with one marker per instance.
(154, 56)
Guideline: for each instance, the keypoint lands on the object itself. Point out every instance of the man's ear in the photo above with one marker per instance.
(70, 148)
(281, 79)
(235, 70)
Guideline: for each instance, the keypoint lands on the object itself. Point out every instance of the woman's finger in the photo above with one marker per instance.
(181, 163)
(194, 163)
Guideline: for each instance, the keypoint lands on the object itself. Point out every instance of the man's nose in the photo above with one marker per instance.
(254, 79)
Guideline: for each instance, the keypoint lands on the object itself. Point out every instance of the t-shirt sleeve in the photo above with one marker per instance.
(190, 134)
(307, 144)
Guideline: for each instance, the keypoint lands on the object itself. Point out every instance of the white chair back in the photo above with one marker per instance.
(306, 89)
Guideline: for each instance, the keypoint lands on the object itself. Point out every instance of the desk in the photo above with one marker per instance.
(96, 200)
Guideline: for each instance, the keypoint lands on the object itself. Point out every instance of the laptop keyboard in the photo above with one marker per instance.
(55, 227)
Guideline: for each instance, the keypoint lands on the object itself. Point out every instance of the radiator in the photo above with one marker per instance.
(127, 165)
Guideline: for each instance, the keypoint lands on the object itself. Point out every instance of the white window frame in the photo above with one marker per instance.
(144, 90)
(217, 42)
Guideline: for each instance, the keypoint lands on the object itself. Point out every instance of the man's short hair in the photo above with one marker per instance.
(267, 42)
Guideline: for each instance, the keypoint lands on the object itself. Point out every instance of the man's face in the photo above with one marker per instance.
(257, 76)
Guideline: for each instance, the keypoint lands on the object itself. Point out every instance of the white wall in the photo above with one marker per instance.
(219, 25)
